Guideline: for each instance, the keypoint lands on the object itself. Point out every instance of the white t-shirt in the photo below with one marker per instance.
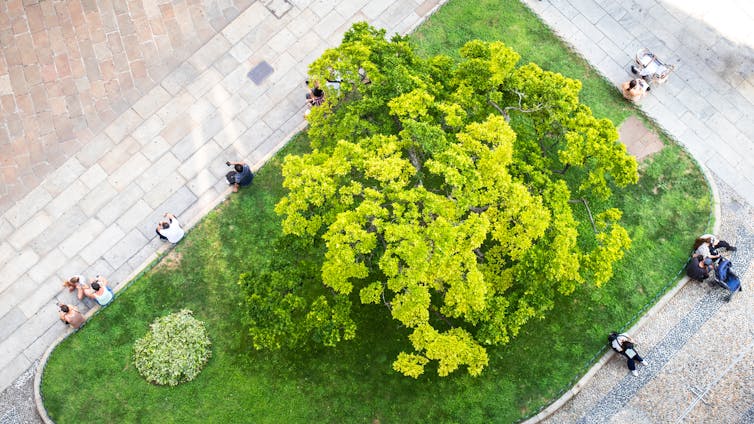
(174, 232)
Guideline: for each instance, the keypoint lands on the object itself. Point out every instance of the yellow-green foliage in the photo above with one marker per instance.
(439, 191)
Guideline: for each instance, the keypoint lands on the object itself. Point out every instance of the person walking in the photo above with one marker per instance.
(635, 89)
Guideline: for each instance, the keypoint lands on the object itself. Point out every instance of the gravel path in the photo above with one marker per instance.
(17, 401)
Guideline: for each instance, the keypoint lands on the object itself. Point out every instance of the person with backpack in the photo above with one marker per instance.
(625, 345)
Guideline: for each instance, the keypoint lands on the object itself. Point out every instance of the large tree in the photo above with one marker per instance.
(447, 192)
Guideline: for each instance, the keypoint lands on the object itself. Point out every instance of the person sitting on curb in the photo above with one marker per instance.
(625, 345)
(706, 246)
(71, 316)
(699, 268)
(170, 230)
(635, 89)
(240, 176)
(74, 282)
(98, 290)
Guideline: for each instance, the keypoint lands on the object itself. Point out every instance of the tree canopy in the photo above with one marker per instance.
(454, 194)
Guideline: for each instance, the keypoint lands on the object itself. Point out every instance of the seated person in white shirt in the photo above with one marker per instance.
(170, 230)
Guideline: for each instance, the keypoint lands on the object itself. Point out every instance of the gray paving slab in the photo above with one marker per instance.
(28, 206)
(62, 177)
(46, 268)
(64, 227)
(30, 229)
(40, 306)
(11, 371)
(17, 266)
(82, 236)
(94, 151)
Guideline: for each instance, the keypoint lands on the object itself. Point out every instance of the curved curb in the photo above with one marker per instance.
(38, 401)
(653, 311)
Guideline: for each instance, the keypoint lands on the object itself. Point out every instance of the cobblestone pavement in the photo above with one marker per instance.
(166, 145)
(68, 68)
(700, 348)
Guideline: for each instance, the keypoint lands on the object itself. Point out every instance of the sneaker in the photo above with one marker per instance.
(635, 373)
(645, 363)
(634, 70)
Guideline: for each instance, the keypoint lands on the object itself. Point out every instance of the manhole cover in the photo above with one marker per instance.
(260, 72)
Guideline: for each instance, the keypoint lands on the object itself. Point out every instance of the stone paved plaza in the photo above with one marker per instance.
(69, 68)
(113, 112)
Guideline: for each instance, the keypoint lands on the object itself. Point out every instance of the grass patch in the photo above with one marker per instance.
(90, 377)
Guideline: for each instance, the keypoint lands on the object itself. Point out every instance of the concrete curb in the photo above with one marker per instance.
(636, 328)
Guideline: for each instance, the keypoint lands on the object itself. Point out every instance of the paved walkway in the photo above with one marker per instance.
(700, 348)
(708, 102)
(69, 68)
(166, 151)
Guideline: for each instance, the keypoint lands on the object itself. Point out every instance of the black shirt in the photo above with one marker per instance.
(693, 270)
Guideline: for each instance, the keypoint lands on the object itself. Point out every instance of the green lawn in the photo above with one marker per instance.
(90, 378)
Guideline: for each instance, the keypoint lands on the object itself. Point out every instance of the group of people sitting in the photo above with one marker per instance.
(97, 289)
(705, 254)
(168, 229)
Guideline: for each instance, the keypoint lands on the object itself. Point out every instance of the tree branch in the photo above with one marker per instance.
(520, 107)
(441, 316)
(563, 171)
(479, 254)
(588, 211)
(414, 158)
(499, 109)
(385, 302)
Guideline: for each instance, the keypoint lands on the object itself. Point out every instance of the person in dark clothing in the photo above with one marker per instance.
(699, 267)
(315, 96)
(240, 176)
(626, 346)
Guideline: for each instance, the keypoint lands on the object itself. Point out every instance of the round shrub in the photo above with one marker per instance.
(174, 350)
